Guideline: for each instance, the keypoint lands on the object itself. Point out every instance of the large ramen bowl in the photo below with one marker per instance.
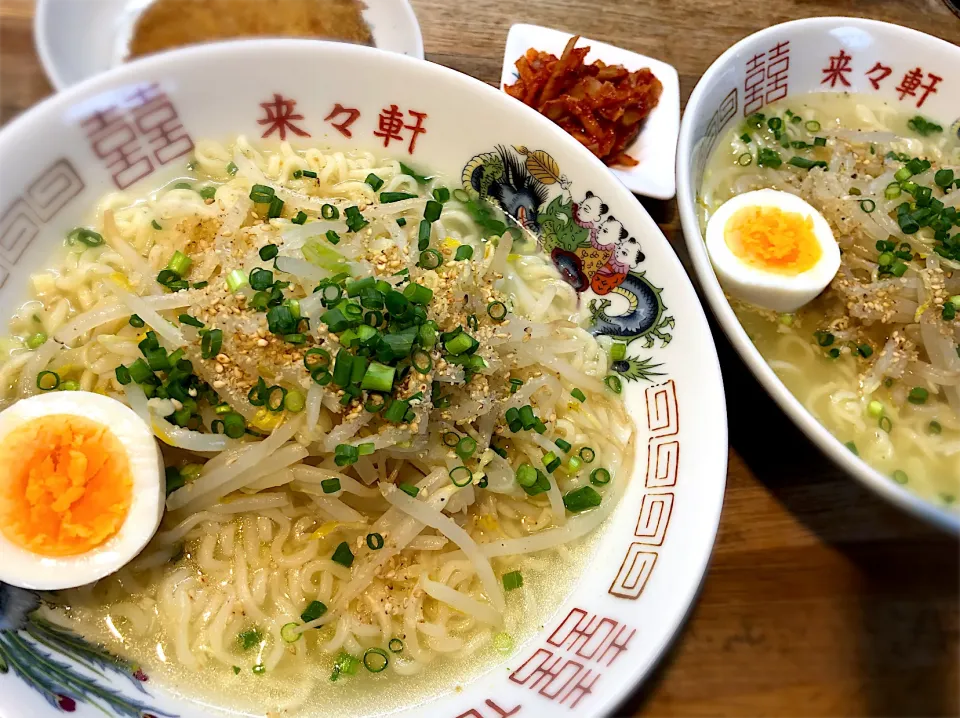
(788, 61)
(135, 128)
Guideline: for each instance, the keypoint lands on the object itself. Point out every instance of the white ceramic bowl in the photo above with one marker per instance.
(77, 39)
(790, 60)
(141, 119)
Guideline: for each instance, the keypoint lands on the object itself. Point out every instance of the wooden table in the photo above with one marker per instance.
(821, 599)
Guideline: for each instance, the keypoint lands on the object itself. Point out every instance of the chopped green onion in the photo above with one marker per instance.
(526, 475)
(613, 383)
(574, 464)
(232, 168)
(432, 210)
(551, 461)
(237, 279)
(769, 158)
(527, 417)
(391, 197)
(600, 477)
(328, 211)
(208, 192)
(316, 358)
(210, 343)
(885, 423)
(421, 361)
(396, 412)
(249, 638)
(423, 235)
(395, 645)
(943, 178)
(461, 476)
(330, 486)
(294, 401)
(430, 259)
(588, 454)
(417, 293)
(586, 497)
(343, 555)
(374, 181)
(346, 454)
(313, 611)
(85, 236)
(136, 321)
(261, 193)
(259, 669)
(409, 489)
(190, 321)
(578, 395)
(275, 398)
(819, 141)
(289, 632)
(355, 221)
(812, 126)
(563, 444)
(374, 541)
(497, 311)
(465, 447)
(123, 375)
(918, 395)
(464, 252)
(309, 173)
(179, 263)
(806, 164)
(934, 427)
(275, 209)
(900, 476)
(745, 160)
(868, 205)
(37, 340)
(378, 377)
(512, 581)
(375, 660)
(48, 380)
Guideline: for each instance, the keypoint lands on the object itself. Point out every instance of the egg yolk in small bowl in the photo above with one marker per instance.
(68, 487)
(772, 240)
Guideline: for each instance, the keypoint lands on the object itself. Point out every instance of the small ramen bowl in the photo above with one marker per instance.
(790, 60)
(134, 129)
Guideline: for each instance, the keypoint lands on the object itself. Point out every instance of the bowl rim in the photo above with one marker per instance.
(722, 311)
(41, 43)
(707, 364)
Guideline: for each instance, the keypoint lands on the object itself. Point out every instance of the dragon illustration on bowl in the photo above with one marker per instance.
(589, 246)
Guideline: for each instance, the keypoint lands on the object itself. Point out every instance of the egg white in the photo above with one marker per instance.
(771, 290)
(26, 569)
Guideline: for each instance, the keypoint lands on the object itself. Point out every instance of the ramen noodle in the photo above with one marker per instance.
(875, 357)
(375, 405)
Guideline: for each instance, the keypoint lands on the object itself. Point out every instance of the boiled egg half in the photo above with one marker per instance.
(81, 489)
(772, 249)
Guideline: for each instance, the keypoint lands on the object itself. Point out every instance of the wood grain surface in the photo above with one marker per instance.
(821, 600)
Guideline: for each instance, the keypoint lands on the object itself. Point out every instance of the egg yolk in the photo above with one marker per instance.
(68, 486)
(773, 240)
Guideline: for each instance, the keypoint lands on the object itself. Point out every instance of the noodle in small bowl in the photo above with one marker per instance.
(855, 117)
(417, 366)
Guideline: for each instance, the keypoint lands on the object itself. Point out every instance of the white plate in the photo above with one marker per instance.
(140, 120)
(656, 146)
(77, 39)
